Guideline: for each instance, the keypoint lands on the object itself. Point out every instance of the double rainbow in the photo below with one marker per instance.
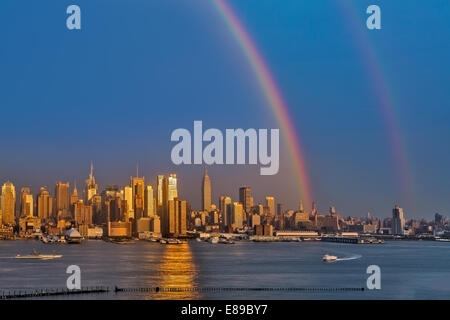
(272, 94)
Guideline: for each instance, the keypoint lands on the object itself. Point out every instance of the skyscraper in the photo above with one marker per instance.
(237, 214)
(170, 188)
(270, 204)
(62, 199)
(82, 213)
(206, 192)
(225, 209)
(159, 193)
(8, 203)
(128, 202)
(280, 209)
(138, 186)
(26, 203)
(245, 197)
(174, 218)
(44, 204)
(90, 187)
(398, 221)
(74, 197)
(148, 202)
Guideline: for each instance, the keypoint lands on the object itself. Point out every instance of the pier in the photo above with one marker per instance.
(33, 293)
(353, 240)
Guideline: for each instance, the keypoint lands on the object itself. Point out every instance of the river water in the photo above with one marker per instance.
(409, 269)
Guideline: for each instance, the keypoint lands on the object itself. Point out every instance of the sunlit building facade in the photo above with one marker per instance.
(8, 203)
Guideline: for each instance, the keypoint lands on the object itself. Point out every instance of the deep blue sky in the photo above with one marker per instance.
(114, 91)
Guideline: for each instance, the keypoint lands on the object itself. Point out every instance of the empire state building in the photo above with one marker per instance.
(90, 188)
(206, 192)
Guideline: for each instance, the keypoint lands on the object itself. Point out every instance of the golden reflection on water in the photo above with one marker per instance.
(177, 270)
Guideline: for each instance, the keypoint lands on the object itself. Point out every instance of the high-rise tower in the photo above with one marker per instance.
(170, 188)
(398, 221)
(26, 203)
(245, 197)
(44, 204)
(138, 188)
(8, 203)
(90, 188)
(159, 193)
(206, 192)
(270, 204)
(62, 199)
(148, 202)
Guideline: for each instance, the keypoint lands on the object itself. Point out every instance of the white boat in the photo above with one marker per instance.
(213, 240)
(73, 236)
(328, 258)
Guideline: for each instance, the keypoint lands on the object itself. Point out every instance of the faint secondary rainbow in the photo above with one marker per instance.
(272, 94)
(384, 96)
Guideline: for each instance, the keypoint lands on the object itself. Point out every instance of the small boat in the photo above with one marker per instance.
(162, 241)
(73, 236)
(213, 240)
(441, 239)
(226, 241)
(328, 258)
(37, 255)
(173, 241)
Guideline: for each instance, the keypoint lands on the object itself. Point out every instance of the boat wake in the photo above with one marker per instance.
(353, 257)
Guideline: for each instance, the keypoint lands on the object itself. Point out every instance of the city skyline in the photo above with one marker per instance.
(183, 64)
(239, 194)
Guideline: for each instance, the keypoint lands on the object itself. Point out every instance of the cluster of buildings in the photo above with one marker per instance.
(133, 210)
(246, 216)
(140, 211)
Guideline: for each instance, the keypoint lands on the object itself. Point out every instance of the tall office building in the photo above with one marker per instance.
(279, 209)
(398, 221)
(206, 192)
(74, 197)
(139, 207)
(114, 209)
(82, 213)
(44, 204)
(138, 187)
(170, 189)
(225, 209)
(26, 203)
(245, 197)
(237, 214)
(172, 186)
(174, 218)
(90, 187)
(128, 210)
(62, 199)
(8, 203)
(148, 202)
(270, 204)
(159, 194)
(97, 216)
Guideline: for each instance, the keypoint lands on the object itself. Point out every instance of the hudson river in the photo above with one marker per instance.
(409, 270)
